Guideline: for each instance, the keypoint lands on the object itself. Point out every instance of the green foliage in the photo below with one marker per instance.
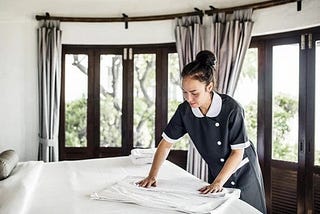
(144, 100)
(250, 67)
(144, 123)
(251, 120)
(110, 123)
(317, 158)
(76, 123)
(284, 111)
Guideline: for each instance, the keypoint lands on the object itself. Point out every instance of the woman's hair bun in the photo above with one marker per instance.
(206, 57)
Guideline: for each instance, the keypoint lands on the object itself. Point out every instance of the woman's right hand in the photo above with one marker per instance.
(148, 182)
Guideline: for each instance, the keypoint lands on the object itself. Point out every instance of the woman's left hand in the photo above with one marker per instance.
(212, 188)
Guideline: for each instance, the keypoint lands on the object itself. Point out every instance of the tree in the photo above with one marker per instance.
(284, 111)
(110, 118)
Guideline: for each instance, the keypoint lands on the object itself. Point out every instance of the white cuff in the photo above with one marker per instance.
(241, 145)
(168, 139)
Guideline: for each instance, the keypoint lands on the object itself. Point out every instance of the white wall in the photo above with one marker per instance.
(18, 49)
(18, 88)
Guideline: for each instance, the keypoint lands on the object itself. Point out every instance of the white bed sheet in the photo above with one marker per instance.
(65, 188)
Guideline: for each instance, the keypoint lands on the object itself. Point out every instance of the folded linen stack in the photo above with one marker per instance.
(142, 156)
(178, 195)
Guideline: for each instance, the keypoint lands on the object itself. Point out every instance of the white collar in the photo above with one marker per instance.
(214, 108)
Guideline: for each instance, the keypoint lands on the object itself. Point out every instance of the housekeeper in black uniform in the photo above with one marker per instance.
(215, 123)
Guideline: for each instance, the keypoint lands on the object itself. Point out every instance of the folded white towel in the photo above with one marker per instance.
(171, 194)
(142, 156)
(143, 153)
(140, 161)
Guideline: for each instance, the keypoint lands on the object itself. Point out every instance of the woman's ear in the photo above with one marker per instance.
(209, 87)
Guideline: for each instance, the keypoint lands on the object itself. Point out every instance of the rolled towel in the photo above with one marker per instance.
(142, 156)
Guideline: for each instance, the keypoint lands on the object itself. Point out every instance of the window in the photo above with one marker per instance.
(115, 98)
(247, 92)
(144, 94)
(288, 109)
(175, 96)
(285, 62)
(76, 96)
(110, 100)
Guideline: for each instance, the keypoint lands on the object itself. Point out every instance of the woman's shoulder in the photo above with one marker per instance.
(230, 102)
(182, 110)
(183, 107)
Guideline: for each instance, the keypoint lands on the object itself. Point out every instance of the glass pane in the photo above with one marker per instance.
(317, 112)
(175, 96)
(110, 100)
(247, 92)
(144, 93)
(285, 102)
(76, 95)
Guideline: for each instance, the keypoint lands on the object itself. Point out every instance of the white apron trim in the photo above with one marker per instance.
(241, 164)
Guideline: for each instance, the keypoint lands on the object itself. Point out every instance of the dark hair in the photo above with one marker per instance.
(202, 68)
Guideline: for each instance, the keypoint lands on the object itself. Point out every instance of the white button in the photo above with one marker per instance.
(221, 159)
(219, 142)
(217, 124)
(233, 183)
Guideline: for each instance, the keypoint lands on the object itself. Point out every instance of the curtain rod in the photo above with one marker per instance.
(125, 18)
(254, 6)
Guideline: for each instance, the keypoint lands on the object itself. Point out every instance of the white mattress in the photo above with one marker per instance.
(65, 187)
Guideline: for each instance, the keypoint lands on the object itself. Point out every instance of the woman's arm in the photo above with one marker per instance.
(227, 170)
(159, 157)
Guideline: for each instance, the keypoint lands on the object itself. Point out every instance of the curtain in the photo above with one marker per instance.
(189, 33)
(229, 40)
(49, 83)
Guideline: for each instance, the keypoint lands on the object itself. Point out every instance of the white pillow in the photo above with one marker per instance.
(8, 160)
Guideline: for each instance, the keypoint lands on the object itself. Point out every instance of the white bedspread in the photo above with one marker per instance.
(65, 188)
(17, 189)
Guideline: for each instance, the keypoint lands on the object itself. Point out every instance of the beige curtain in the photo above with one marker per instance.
(189, 33)
(49, 81)
(229, 40)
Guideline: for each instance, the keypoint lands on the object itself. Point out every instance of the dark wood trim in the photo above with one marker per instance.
(284, 165)
(93, 150)
(127, 106)
(179, 158)
(62, 128)
(71, 152)
(310, 122)
(316, 170)
(161, 83)
(120, 19)
(302, 131)
(267, 109)
(254, 6)
(96, 104)
(286, 35)
(305, 168)
(91, 105)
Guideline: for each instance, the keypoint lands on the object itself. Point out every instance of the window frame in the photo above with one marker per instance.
(93, 149)
(305, 167)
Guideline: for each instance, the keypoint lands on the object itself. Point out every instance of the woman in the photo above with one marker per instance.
(215, 123)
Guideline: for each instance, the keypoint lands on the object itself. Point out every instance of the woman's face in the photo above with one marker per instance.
(196, 93)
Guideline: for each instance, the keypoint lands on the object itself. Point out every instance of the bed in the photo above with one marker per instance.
(68, 187)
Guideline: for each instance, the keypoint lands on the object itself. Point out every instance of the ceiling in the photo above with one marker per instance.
(111, 8)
